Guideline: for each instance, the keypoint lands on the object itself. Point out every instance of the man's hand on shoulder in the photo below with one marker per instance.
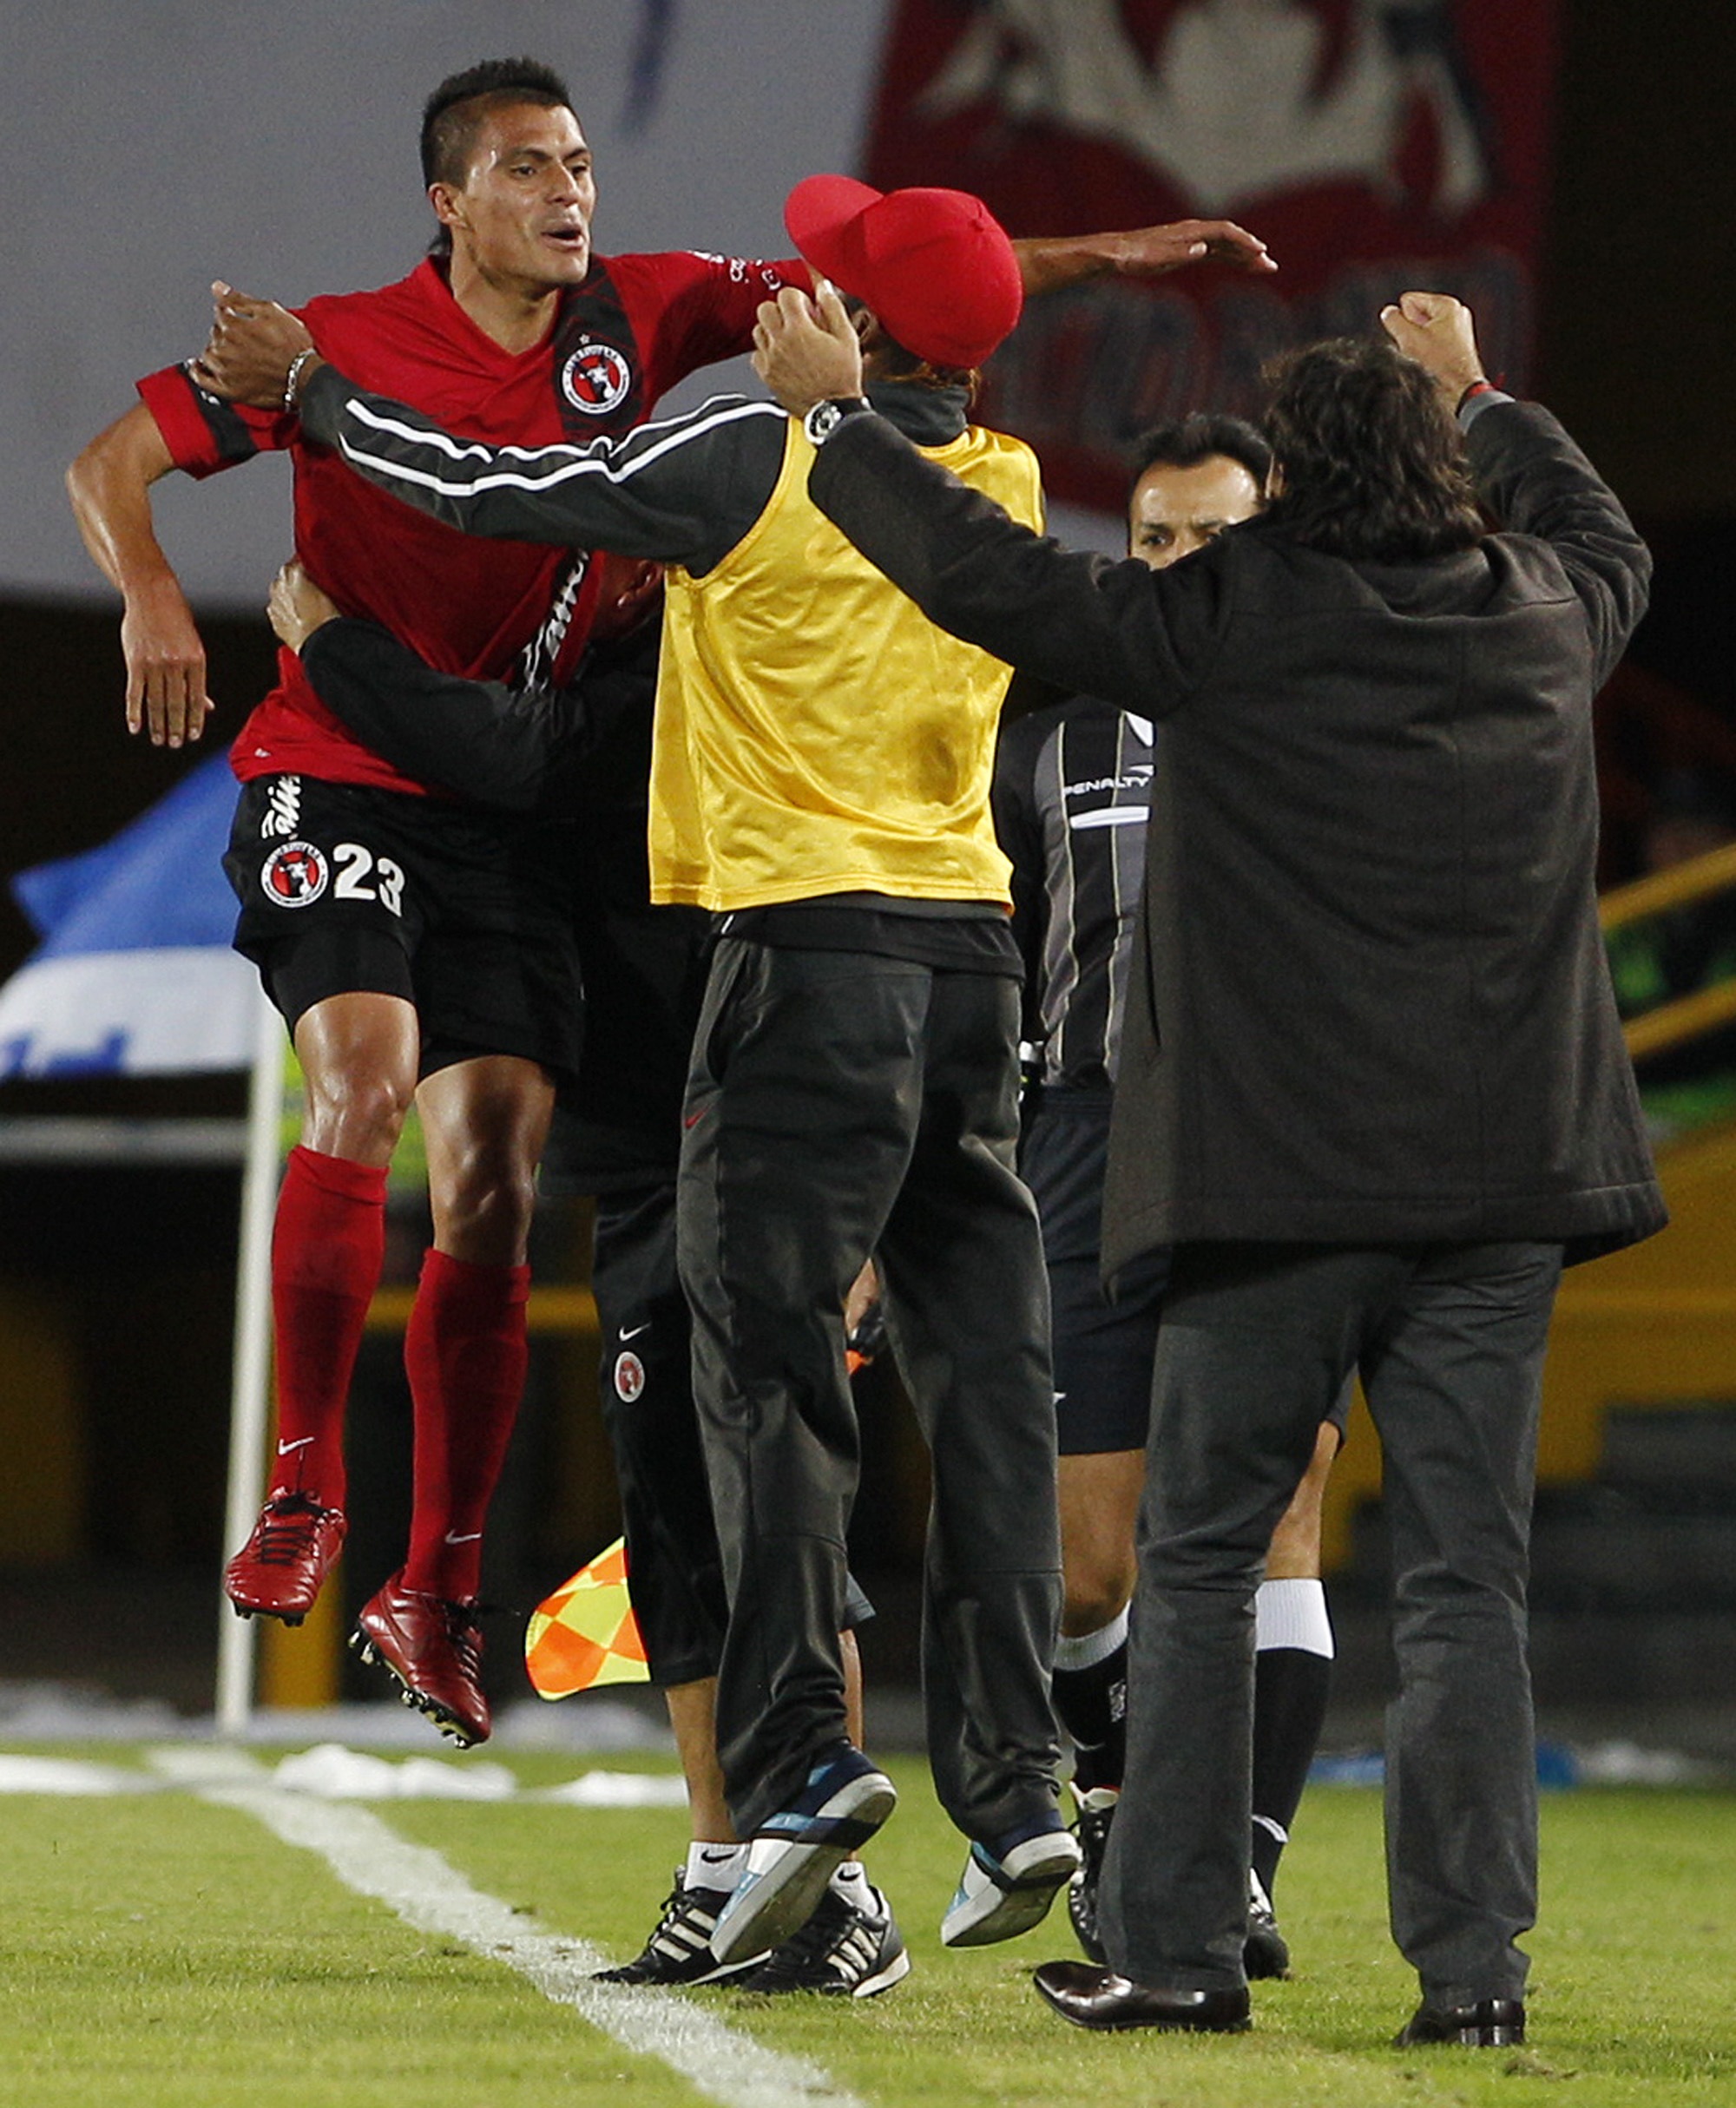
(253, 348)
(297, 606)
(806, 350)
(1437, 332)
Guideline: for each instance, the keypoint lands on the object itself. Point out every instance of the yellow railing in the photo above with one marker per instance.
(1688, 1016)
(1675, 887)
(572, 1311)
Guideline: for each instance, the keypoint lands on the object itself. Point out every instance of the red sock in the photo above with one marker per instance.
(466, 1352)
(327, 1247)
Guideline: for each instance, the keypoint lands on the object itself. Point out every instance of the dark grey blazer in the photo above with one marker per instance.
(1372, 1001)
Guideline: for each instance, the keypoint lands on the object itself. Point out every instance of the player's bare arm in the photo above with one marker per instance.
(255, 349)
(1437, 332)
(109, 486)
(297, 606)
(1048, 263)
(806, 350)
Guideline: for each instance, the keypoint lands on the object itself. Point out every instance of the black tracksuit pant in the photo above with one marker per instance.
(843, 1104)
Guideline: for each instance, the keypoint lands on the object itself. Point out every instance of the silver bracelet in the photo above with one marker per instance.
(292, 380)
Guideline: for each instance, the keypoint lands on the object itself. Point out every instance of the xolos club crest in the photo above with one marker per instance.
(596, 378)
(295, 875)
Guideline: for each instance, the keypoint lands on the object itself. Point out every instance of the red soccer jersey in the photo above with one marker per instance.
(492, 610)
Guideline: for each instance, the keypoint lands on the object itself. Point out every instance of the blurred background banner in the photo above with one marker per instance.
(1374, 145)
(134, 975)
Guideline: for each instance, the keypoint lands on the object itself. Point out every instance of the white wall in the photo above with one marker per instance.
(149, 146)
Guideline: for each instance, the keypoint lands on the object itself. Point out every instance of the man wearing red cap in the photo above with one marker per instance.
(820, 781)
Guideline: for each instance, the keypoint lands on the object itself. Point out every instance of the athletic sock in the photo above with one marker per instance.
(850, 1881)
(328, 1244)
(1292, 1676)
(718, 1867)
(466, 1352)
(1090, 1687)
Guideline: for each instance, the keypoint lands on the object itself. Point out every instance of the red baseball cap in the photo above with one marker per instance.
(935, 265)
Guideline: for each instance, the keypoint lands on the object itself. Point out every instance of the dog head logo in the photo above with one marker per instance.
(596, 378)
(295, 875)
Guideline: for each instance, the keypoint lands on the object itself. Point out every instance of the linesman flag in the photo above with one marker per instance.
(586, 1633)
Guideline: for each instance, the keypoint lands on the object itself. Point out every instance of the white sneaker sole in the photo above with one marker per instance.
(1002, 1909)
(785, 1879)
(894, 1973)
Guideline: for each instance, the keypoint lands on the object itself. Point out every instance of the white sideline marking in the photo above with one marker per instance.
(414, 1880)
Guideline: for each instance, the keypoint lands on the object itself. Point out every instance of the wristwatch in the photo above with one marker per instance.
(824, 419)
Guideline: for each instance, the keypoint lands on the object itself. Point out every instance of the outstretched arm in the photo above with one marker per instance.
(1048, 263)
(684, 489)
(109, 485)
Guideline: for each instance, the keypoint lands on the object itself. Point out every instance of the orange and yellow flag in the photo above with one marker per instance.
(585, 1633)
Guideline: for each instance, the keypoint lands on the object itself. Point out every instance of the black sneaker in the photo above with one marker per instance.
(1096, 1812)
(1266, 1952)
(679, 1950)
(842, 1952)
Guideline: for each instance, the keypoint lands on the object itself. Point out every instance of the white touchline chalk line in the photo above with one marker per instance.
(414, 1880)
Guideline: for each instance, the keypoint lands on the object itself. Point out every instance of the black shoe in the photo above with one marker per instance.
(842, 1952)
(1098, 1997)
(679, 1950)
(1266, 1952)
(1490, 2023)
(1096, 1812)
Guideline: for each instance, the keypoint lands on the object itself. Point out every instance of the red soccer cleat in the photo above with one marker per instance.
(435, 1651)
(277, 1573)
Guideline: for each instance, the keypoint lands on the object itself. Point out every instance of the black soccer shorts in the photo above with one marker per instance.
(1103, 1351)
(345, 889)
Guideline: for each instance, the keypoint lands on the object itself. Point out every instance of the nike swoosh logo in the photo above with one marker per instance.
(637, 1330)
(474, 1537)
(284, 1448)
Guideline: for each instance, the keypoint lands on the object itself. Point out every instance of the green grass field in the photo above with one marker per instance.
(158, 1951)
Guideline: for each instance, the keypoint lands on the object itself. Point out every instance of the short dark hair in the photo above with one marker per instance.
(452, 113)
(1370, 460)
(1184, 442)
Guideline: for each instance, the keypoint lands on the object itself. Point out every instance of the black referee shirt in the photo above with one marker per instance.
(1072, 790)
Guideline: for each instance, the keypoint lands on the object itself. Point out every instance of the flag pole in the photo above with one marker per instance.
(250, 1381)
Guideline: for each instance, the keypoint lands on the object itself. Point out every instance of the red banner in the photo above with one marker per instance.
(1373, 145)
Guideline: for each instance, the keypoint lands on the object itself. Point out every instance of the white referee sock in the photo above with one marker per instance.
(1091, 1648)
(1292, 1614)
(714, 1866)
